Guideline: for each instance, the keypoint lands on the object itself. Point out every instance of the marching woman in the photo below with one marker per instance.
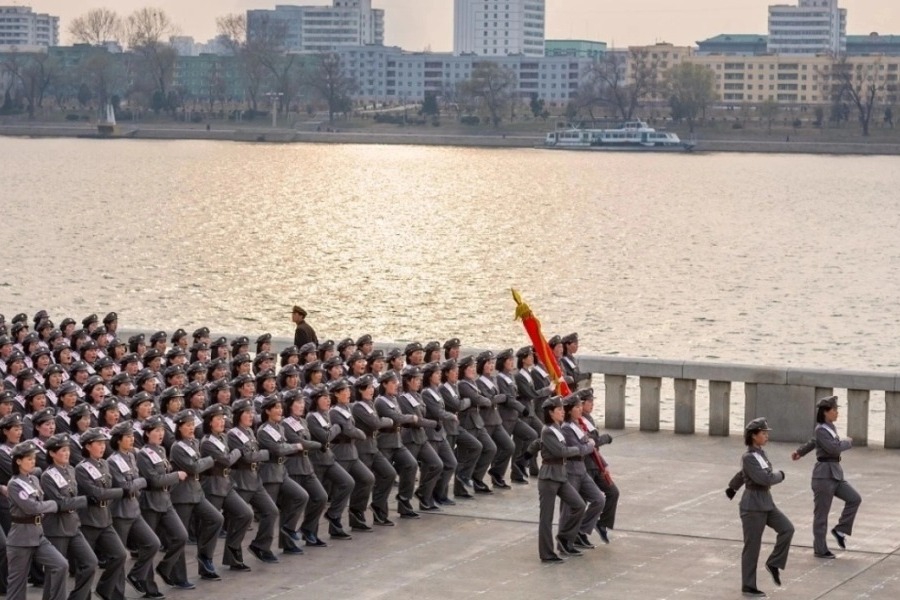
(26, 542)
(470, 420)
(493, 423)
(415, 437)
(370, 423)
(189, 501)
(758, 510)
(828, 480)
(347, 455)
(130, 525)
(514, 414)
(219, 488)
(327, 469)
(156, 504)
(553, 481)
(300, 468)
(436, 409)
(246, 479)
(95, 482)
(391, 446)
(577, 471)
(465, 446)
(594, 463)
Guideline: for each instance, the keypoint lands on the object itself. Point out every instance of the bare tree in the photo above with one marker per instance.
(858, 85)
(102, 73)
(493, 88)
(266, 47)
(691, 89)
(619, 82)
(97, 26)
(233, 30)
(154, 65)
(327, 79)
(35, 72)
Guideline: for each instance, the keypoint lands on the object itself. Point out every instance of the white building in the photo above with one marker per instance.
(811, 27)
(498, 27)
(22, 28)
(323, 28)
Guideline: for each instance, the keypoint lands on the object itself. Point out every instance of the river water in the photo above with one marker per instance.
(765, 259)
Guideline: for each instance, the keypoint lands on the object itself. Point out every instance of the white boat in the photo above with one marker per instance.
(107, 126)
(632, 135)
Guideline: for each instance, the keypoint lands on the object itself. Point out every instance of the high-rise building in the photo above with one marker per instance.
(811, 27)
(22, 28)
(322, 28)
(498, 27)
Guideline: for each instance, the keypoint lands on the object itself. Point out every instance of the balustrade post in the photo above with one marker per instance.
(615, 401)
(858, 416)
(892, 420)
(719, 408)
(685, 405)
(650, 392)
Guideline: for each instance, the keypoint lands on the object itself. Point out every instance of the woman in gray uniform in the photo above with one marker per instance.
(370, 424)
(513, 413)
(577, 471)
(188, 499)
(828, 480)
(219, 488)
(63, 528)
(553, 482)
(758, 510)
(470, 419)
(126, 512)
(95, 482)
(436, 410)
(26, 542)
(391, 445)
(493, 423)
(415, 437)
(346, 454)
(327, 469)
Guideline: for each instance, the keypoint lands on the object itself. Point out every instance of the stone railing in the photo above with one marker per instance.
(785, 395)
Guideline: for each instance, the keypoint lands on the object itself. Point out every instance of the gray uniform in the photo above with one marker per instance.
(370, 424)
(436, 410)
(190, 503)
(95, 482)
(391, 446)
(289, 497)
(300, 469)
(513, 412)
(347, 455)
(219, 490)
(26, 542)
(581, 480)
(758, 510)
(330, 473)
(415, 438)
(157, 509)
(245, 475)
(606, 484)
(493, 424)
(127, 519)
(62, 528)
(471, 421)
(553, 481)
(828, 482)
(465, 446)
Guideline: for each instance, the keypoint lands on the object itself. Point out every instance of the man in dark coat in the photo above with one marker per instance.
(304, 333)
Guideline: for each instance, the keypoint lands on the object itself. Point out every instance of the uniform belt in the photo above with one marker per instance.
(757, 487)
(553, 461)
(130, 495)
(35, 520)
(829, 459)
(246, 466)
(102, 503)
(277, 461)
(371, 435)
(220, 471)
(196, 477)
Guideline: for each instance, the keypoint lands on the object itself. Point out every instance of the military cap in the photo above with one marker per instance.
(449, 365)
(218, 384)
(179, 333)
(430, 368)
(110, 318)
(551, 403)
(78, 365)
(5, 340)
(317, 391)
(364, 339)
(7, 396)
(30, 338)
(214, 410)
(411, 372)
(241, 359)
(758, 424)
(241, 405)
(122, 429)
(242, 340)
(300, 311)
(267, 374)
(266, 337)
(466, 361)
(129, 358)
(201, 332)
(387, 376)
(375, 355)
(571, 400)
(291, 396)
(570, 339)
(355, 356)
(120, 378)
(289, 371)
(365, 381)
(159, 336)
(35, 390)
(53, 369)
(326, 345)
(17, 327)
(218, 342)
(504, 354)
(172, 371)
(338, 384)
(270, 401)
(184, 416)
(199, 346)
(151, 423)
(67, 387)
(171, 392)
(60, 440)
(43, 415)
(23, 449)
(140, 398)
(394, 353)
(827, 403)
(262, 356)
(55, 335)
(136, 339)
(92, 318)
(289, 351)
(14, 356)
(192, 388)
(314, 366)
(104, 362)
(485, 356)
(197, 367)
(344, 344)
(151, 355)
(91, 382)
(431, 346)
(242, 379)
(143, 376)
(452, 343)
(40, 316)
(66, 322)
(109, 403)
(307, 348)
(334, 361)
(43, 324)
(174, 352)
(94, 434)
(554, 341)
(79, 410)
(11, 420)
(412, 347)
(586, 394)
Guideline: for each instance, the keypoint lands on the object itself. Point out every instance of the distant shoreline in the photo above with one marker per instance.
(480, 139)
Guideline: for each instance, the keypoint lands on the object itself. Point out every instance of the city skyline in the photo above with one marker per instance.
(644, 22)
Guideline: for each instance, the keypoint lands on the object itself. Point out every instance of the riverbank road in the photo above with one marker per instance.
(677, 537)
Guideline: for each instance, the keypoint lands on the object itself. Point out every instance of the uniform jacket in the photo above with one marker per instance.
(576, 438)
(124, 471)
(296, 431)
(758, 478)
(488, 388)
(436, 410)
(828, 445)
(95, 482)
(59, 485)
(344, 446)
(411, 404)
(217, 480)
(512, 409)
(322, 430)
(471, 417)
(370, 424)
(387, 407)
(271, 439)
(554, 453)
(245, 473)
(455, 404)
(186, 457)
(26, 499)
(154, 467)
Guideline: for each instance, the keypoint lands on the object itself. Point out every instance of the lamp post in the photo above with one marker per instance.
(274, 96)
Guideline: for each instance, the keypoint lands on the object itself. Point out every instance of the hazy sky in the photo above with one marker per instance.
(418, 24)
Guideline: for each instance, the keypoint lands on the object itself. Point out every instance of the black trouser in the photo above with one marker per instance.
(488, 451)
(363, 482)
(611, 491)
(262, 503)
(505, 449)
(82, 558)
(136, 534)
(171, 532)
(450, 464)
(405, 465)
(209, 521)
(239, 517)
(107, 543)
(467, 449)
(384, 474)
(430, 466)
(291, 500)
(315, 506)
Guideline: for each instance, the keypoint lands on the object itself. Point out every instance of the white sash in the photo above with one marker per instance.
(121, 463)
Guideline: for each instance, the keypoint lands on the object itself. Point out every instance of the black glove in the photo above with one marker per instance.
(438, 427)
(730, 493)
(605, 439)
(782, 475)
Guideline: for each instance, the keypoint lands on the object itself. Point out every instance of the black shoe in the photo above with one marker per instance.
(445, 501)
(555, 560)
(428, 507)
(519, 470)
(265, 556)
(826, 554)
(498, 482)
(520, 480)
(239, 567)
(582, 541)
(840, 538)
(380, 517)
(185, 585)
(291, 534)
(292, 550)
(207, 568)
(461, 493)
(752, 591)
(136, 583)
(463, 483)
(567, 548)
(405, 508)
(773, 571)
(165, 579)
(481, 487)
(154, 595)
(208, 576)
(336, 529)
(604, 534)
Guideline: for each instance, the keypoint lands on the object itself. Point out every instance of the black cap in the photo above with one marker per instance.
(40, 315)
(184, 416)
(431, 346)
(307, 348)
(363, 340)
(266, 337)
(411, 372)
(394, 353)
(89, 345)
(314, 366)
(23, 449)
(109, 403)
(466, 361)
(218, 342)
(375, 355)
(129, 358)
(241, 405)
(452, 343)
(365, 381)
(485, 356)
(586, 394)
(90, 319)
(159, 336)
(289, 351)
(67, 387)
(504, 354)
(11, 420)
(758, 424)
(151, 423)
(140, 398)
(43, 415)
(570, 338)
(35, 390)
(412, 347)
(241, 359)
(53, 369)
(344, 343)
(270, 401)
(827, 403)
(572, 400)
(326, 345)
(552, 402)
(7, 395)
(387, 376)
(151, 355)
(338, 384)
(317, 391)
(202, 332)
(267, 374)
(449, 365)
(214, 410)
(430, 369)
(554, 341)
(334, 361)
(122, 429)
(94, 434)
(80, 410)
(242, 379)
(289, 371)
(240, 341)
(178, 334)
(60, 440)
(110, 317)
